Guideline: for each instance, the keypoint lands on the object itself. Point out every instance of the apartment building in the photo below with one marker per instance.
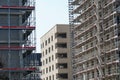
(55, 48)
(95, 35)
(17, 38)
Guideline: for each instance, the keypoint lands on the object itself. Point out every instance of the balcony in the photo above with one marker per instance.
(61, 65)
(62, 76)
(61, 55)
(61, 45)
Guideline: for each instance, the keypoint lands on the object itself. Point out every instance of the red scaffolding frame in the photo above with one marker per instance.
(18, 27)
(17, 69)
(17, 48)
(18, 7)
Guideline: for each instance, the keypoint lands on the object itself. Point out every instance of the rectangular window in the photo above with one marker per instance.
(49, 77)
(49, 59)
(46, 51)
(46, 70)
(46, 61)
(49, 68)
(48, 40)
(46, 78)
(53, 77)
(52, 67)
(52, 57)
(60, 35)
(52, 47)
(49, 49)
(51, 38)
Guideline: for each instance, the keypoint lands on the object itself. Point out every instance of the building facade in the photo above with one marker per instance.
(17, 41)
(55, 48)
(95, 36)
(33, 60)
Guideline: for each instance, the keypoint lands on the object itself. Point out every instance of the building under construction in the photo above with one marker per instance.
(95, 39)
(17, 38)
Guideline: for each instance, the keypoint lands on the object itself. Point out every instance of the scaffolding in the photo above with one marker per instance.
(95, 39)
(17, 41)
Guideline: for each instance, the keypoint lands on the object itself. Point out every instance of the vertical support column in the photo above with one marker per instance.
(84, 74)
(71, 32)
(117, 32)
(98, 53)
(9, 51)
(20, 38)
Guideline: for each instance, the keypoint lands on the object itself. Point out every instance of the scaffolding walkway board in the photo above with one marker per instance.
(18, 7)
(17, 48)
(18, 27)
(17, 69)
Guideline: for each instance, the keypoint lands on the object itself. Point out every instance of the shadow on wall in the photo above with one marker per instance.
(2, 77)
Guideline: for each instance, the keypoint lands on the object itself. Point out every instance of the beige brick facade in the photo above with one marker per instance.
(55, 48)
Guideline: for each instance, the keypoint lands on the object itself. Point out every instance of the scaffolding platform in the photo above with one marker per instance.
(18, 27)
(18, 7)
(17, 69)
(17, 48)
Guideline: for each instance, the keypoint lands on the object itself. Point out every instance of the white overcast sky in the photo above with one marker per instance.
(48, 14)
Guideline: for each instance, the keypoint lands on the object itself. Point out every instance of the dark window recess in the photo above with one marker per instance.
(118, 53)
(1, 65)
(49, 49)
(52, 57)
(46, 70)
(61, 55)
(32, 59)
(61, 65)
(119, 33)
(49, 40)
(49, 59)
(107, 36)
(103, 71)
(43, 45)
(40, 63)
(24, 1)
(60, 35)
(46, 51)
(25, 16)
(46, 61)
(117, 4)
(118, 19)
(109, 70)
(61, 45)
(62, 76)
(52, 48)
(3, 77)
(46, 42)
